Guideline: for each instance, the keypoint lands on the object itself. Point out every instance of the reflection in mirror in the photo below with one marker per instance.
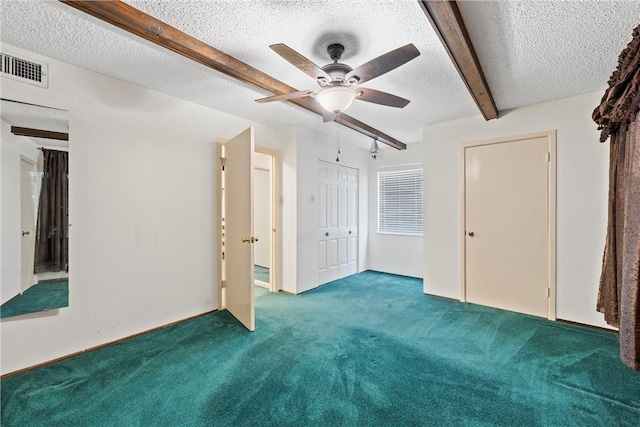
(35, 249)
(262, 219)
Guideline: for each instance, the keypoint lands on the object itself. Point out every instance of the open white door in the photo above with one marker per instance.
(239, 237)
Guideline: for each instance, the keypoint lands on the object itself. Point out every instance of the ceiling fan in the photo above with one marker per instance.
(339, 83)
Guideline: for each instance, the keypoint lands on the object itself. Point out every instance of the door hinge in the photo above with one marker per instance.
(548, 157)
(223, 161)
(224, 284)
(548, 293)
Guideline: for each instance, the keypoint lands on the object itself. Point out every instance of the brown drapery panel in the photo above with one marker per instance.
(52, 243)
(618, 117)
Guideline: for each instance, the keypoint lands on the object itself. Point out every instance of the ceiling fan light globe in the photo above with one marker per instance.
(336, 99)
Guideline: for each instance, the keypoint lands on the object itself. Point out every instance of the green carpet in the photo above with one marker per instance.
(47, 295)
(260, 291)
(261, 273)
(368, 350)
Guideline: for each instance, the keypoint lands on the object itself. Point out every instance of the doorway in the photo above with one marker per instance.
(508, 223)
(265, 196)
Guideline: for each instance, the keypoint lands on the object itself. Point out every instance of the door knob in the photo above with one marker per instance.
(349, 231)
(246, 239)
(25, 233)
(326, 234)
(471, 233)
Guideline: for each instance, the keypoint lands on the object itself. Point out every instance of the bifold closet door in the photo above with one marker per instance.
(338, 222)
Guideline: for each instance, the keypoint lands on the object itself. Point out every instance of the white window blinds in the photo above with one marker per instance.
(400, 202)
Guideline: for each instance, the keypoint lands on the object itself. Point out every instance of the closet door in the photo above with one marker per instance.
(338, 222)
(348, 221)
(508, 234)
(328, 227)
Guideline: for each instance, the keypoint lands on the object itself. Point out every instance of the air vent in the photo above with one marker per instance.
(23, 70)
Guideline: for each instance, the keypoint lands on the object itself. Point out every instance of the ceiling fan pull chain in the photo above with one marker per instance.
(338, 136)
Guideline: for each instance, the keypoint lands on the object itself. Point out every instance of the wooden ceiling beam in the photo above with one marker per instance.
(149, 28)
(39, 133)
(448, 24)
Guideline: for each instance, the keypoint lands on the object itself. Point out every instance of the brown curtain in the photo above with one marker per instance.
(52, 243)
(618, 117)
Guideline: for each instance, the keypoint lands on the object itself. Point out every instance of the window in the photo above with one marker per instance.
(400, 202)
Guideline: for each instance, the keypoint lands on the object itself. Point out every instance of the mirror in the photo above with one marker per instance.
(34, 200)
(262, 219)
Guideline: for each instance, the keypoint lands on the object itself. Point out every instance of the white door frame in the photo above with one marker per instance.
(551, 214)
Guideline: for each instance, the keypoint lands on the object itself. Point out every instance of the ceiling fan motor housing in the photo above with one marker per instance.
(335, 51)
(336, 70)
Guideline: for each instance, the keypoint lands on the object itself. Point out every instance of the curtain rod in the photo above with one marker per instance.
(44, 147)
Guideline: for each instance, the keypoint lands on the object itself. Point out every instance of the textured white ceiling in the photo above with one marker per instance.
(531, 51)
(535, 51)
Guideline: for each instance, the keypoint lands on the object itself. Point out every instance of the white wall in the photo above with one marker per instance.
(311, 147)
(12, 150)
(142, 211)
(582, 179)
(289, 213)
(393, 253)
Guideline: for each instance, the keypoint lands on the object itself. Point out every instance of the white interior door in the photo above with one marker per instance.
(239, 237)
(328, 229)
(507, 225)
(28, 222)
(338, 222)
(348, 222)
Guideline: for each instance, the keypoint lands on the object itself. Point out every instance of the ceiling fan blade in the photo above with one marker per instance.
(328, 117)
(300, 62)
(382, 98)
(383, 63)
(285, 96)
